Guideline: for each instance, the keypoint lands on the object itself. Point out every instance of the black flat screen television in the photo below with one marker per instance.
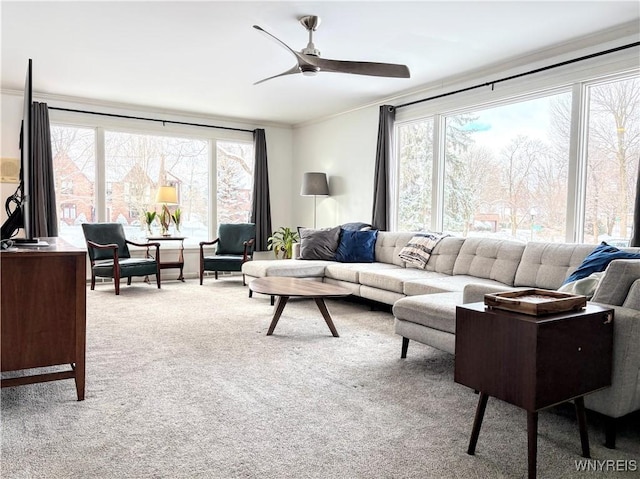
(18, 205)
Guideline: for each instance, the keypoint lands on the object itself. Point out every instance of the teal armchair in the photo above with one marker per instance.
(233, 247)
(110, 257)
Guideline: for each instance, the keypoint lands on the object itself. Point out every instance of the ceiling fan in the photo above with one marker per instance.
(310, 63)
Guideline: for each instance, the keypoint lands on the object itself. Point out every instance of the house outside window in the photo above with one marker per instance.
(135, 164)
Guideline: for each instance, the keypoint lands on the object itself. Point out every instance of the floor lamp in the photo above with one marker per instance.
(314, 184)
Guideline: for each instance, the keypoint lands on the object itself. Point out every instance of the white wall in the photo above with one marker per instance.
(344, 147)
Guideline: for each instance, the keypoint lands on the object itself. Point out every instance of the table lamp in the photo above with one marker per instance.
(167, 195)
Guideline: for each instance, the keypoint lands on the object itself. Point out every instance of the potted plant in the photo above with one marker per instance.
(177, 214)
(282, 242)
(149, 217)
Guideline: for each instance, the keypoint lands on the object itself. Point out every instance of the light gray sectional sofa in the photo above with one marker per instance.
(463, 270)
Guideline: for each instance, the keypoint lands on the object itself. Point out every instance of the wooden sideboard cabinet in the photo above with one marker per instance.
(43, 315)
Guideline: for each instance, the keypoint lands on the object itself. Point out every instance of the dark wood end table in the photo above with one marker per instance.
(533, 362)
(179, 263)
(285, 288)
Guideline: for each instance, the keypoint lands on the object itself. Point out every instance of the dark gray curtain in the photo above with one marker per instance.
(261, 211)
(44, 216)
(381, 199)
(635, 239)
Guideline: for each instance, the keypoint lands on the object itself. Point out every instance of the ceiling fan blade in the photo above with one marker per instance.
(291, 71)
(298, 55)
(360, 68)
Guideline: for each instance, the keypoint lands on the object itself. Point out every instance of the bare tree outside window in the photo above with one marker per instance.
(505, 172)
(612, 161)
(234, 181)
(136, 165)
(74, 163)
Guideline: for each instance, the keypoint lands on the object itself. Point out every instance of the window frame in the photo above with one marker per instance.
(467, 103)
(102, 124)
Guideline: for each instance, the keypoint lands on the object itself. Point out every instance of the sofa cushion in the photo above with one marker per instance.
(357, 225)
(390, 279)
(443, 256)
(437, 311)
(319, 244)
(489, 258)
(442, 283)
(597, 261)
(356, 246)
(351, 271)
(292, 268)
(388, 246)
(546, 265)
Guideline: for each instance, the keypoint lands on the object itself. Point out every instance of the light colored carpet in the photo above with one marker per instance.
(182, 382)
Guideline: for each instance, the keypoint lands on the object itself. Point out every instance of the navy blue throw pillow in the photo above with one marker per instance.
(356, 246)
(598, 260)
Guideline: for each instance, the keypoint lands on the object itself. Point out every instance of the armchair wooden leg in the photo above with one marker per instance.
(201, 276)
(158, 280)
(93, 281)
(129, 281)
(216, 274)
(243, 281)
(116, 278)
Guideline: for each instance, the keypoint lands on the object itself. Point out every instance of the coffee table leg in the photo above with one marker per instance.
(282, 301)
(327, 317)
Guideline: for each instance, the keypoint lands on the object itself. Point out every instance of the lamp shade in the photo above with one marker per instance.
(314, 184)
(167, 195)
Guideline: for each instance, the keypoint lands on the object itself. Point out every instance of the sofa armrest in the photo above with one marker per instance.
(623, 397)
(616, 282)
(474, 292)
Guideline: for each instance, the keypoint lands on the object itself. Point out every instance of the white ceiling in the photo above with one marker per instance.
(203, 57)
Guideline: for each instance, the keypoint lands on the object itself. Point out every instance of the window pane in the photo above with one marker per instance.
(74, 163)
(136, 165)
(234, 181)
(415, 171)
(613, 150)
(506, 170)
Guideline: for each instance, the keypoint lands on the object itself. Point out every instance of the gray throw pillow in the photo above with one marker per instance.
(319, 244)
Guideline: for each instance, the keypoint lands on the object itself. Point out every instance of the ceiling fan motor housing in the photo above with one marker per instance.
(309, 70)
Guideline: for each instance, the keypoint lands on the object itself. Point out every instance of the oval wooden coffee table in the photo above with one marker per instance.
(285, 288)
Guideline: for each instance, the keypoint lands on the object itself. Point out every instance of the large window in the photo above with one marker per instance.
(136, 165)
(234, 181)
(546, 167)
(415, 158)
(108, 175)
(506, 170)
(74, 163)
(613, 152)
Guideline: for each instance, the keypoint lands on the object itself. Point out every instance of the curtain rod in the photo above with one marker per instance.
(150, 119)
(537, 70)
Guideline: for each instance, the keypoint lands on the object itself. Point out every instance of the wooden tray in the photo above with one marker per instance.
(535, 302)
